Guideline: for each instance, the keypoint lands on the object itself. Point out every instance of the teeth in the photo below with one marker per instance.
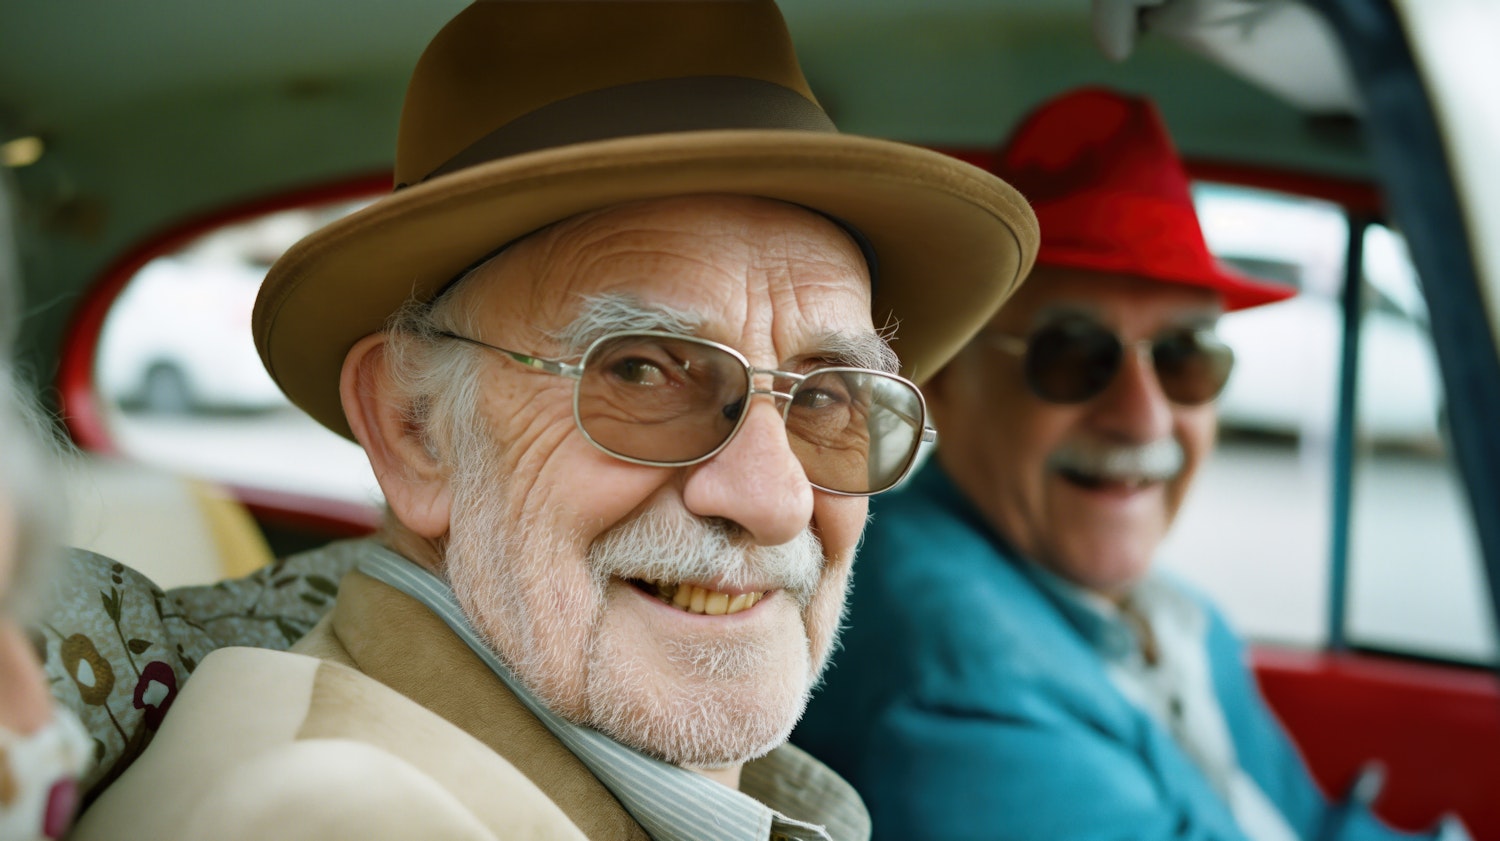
(1130, 482)
(695, 599)
(716, 604)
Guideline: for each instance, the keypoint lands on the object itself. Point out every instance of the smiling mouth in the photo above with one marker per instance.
(1097, 482)
(690, 598)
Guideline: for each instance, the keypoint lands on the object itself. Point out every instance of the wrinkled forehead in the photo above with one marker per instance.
(1119, 301)
(744, 269)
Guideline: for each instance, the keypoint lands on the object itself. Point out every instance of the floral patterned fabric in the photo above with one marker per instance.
(116, 648)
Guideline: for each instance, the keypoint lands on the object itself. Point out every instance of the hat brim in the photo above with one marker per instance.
(952, 241)
(1237, 290)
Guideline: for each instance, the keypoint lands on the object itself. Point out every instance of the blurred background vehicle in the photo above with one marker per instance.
(1286, 372)
(177, 340)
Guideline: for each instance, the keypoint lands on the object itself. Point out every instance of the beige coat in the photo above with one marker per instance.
(391, 729)
(385, 725)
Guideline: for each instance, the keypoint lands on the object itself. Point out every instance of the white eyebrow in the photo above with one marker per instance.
(620, 312)
(858, 350)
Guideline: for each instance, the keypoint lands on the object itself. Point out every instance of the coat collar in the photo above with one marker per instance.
(400, 625)
(399, 642)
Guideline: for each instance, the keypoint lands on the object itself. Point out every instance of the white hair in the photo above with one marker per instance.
(618, 312)
(28, 447)
(28, 483)
(436, 380)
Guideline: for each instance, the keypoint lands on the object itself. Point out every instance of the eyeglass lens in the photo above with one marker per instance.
(670, 401)
(1073, 360)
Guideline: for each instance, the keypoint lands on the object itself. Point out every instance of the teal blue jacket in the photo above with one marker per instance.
(965, 704)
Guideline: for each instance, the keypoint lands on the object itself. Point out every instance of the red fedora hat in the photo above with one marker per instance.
(1111, 195)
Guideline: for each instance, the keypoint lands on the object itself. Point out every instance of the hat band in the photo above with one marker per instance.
(696, 103)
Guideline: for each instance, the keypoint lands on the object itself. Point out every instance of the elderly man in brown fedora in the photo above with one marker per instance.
(619, 348)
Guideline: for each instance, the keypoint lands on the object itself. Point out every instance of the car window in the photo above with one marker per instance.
(1253, 531)
(180, 383)
(182, 387)
(1259, 530)
(1416, 584)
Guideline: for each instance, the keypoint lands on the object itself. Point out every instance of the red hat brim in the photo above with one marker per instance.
(1145, 237)
(1111, 195)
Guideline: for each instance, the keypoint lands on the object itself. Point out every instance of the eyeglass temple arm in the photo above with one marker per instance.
(929, 435)
(551, 366)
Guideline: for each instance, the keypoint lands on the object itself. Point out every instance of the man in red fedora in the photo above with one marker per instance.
(614, 349)
(1013, 669)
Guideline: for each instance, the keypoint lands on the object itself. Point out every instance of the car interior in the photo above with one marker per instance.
(1350, 523)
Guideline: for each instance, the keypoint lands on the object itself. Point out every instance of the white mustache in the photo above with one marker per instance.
(660, 546)
(1157, 461)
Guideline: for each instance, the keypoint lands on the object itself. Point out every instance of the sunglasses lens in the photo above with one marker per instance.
(1193, 365)
(658, 399)
(855, 431)
(1071, 361)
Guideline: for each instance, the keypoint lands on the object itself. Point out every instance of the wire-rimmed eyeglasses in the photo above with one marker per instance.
(669, 400)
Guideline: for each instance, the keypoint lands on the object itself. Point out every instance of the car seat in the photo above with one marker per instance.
(177, 530)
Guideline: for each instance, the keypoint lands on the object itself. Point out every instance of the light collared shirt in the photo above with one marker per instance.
(670, 803)
(1174, 686)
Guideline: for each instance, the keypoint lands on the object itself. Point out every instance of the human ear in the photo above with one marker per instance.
(413, 478)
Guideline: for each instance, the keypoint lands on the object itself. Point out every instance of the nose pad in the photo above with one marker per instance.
(756, 481)
(778, 393)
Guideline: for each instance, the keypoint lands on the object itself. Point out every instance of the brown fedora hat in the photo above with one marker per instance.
(522, 113)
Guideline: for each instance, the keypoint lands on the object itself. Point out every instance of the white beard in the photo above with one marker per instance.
(556, 614)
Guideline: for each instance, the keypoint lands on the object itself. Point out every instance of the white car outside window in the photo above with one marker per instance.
(177, 339)
(1285, 378)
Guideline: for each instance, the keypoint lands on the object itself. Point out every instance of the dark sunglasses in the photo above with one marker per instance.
(1073, 360)
(668, 400)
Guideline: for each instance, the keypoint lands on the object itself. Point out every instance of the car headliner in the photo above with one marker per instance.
(155, 113)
